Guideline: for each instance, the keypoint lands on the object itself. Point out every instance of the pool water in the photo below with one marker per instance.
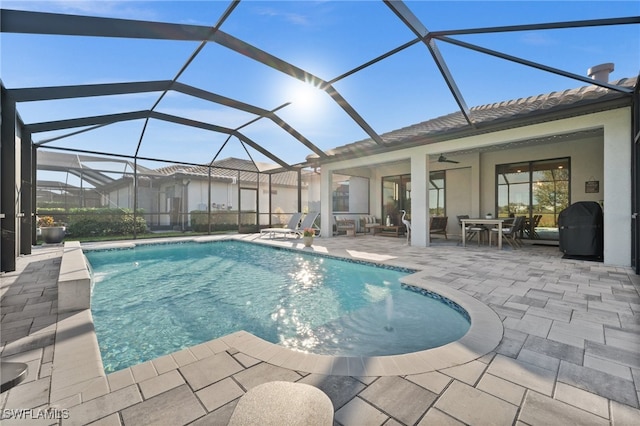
(156, 299)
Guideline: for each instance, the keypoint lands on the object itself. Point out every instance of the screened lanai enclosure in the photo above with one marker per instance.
(142, 117)
(95, 196)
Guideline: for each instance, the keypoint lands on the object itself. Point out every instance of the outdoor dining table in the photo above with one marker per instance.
(481, 221)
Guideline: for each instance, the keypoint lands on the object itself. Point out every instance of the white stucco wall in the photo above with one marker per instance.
(283, 203)
(358, 195)
(120, 198)
(459, 197)
(617, 188)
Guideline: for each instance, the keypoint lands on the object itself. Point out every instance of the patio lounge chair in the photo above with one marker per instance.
(291, 226)
(307, 222)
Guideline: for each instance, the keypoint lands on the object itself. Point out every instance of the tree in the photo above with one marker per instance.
(551, 191)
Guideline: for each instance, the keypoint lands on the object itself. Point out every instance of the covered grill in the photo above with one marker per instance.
(581, 230)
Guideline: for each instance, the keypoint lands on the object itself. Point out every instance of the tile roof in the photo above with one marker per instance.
(228, 169)
(484, 116)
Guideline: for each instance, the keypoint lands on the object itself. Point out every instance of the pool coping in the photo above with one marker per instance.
(483, 336)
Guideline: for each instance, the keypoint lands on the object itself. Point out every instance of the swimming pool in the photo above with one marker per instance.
(157, 299)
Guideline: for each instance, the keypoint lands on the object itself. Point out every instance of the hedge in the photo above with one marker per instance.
(86, 222)
(220, 221)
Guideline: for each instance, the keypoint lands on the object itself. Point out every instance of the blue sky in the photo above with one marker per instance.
(323, 37)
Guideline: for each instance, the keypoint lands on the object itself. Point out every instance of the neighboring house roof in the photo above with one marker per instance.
(230, 164)
(486, 118)
(228, 168)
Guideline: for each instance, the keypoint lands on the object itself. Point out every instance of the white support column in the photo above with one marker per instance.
(420, 200)
(476, 188)
(617, 190)
(326, 203)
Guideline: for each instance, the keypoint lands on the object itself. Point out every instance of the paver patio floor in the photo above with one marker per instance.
(569, 352)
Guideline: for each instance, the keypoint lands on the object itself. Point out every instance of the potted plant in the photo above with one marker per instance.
(489, 216)
(52, 232)
(307, 236)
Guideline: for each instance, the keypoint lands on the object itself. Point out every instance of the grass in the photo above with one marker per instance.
(149, 235)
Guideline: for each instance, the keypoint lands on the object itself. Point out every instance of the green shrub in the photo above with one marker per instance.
(220, 220)
(85, 222)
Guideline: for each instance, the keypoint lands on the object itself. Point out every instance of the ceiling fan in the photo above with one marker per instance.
(443, 159)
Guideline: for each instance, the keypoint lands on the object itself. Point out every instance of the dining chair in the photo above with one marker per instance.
(511, 232)
(472, 230)
(529, 227)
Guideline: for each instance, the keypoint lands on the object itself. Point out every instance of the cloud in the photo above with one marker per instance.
(112, 9)
(537, 39)
(290, 17)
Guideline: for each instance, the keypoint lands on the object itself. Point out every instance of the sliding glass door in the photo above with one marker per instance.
(538, 190)
(396, 196)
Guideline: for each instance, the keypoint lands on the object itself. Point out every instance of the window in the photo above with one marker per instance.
(341, 197)
(396, 196)
(350, 194)
(534, 188)
(437, 193)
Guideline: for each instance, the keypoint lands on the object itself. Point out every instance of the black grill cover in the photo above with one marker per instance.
(581, 230)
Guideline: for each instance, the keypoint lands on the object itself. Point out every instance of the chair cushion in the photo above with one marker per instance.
(503, 229)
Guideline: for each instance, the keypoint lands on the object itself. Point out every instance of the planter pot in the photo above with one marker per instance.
(53, 234)
(308, 241)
